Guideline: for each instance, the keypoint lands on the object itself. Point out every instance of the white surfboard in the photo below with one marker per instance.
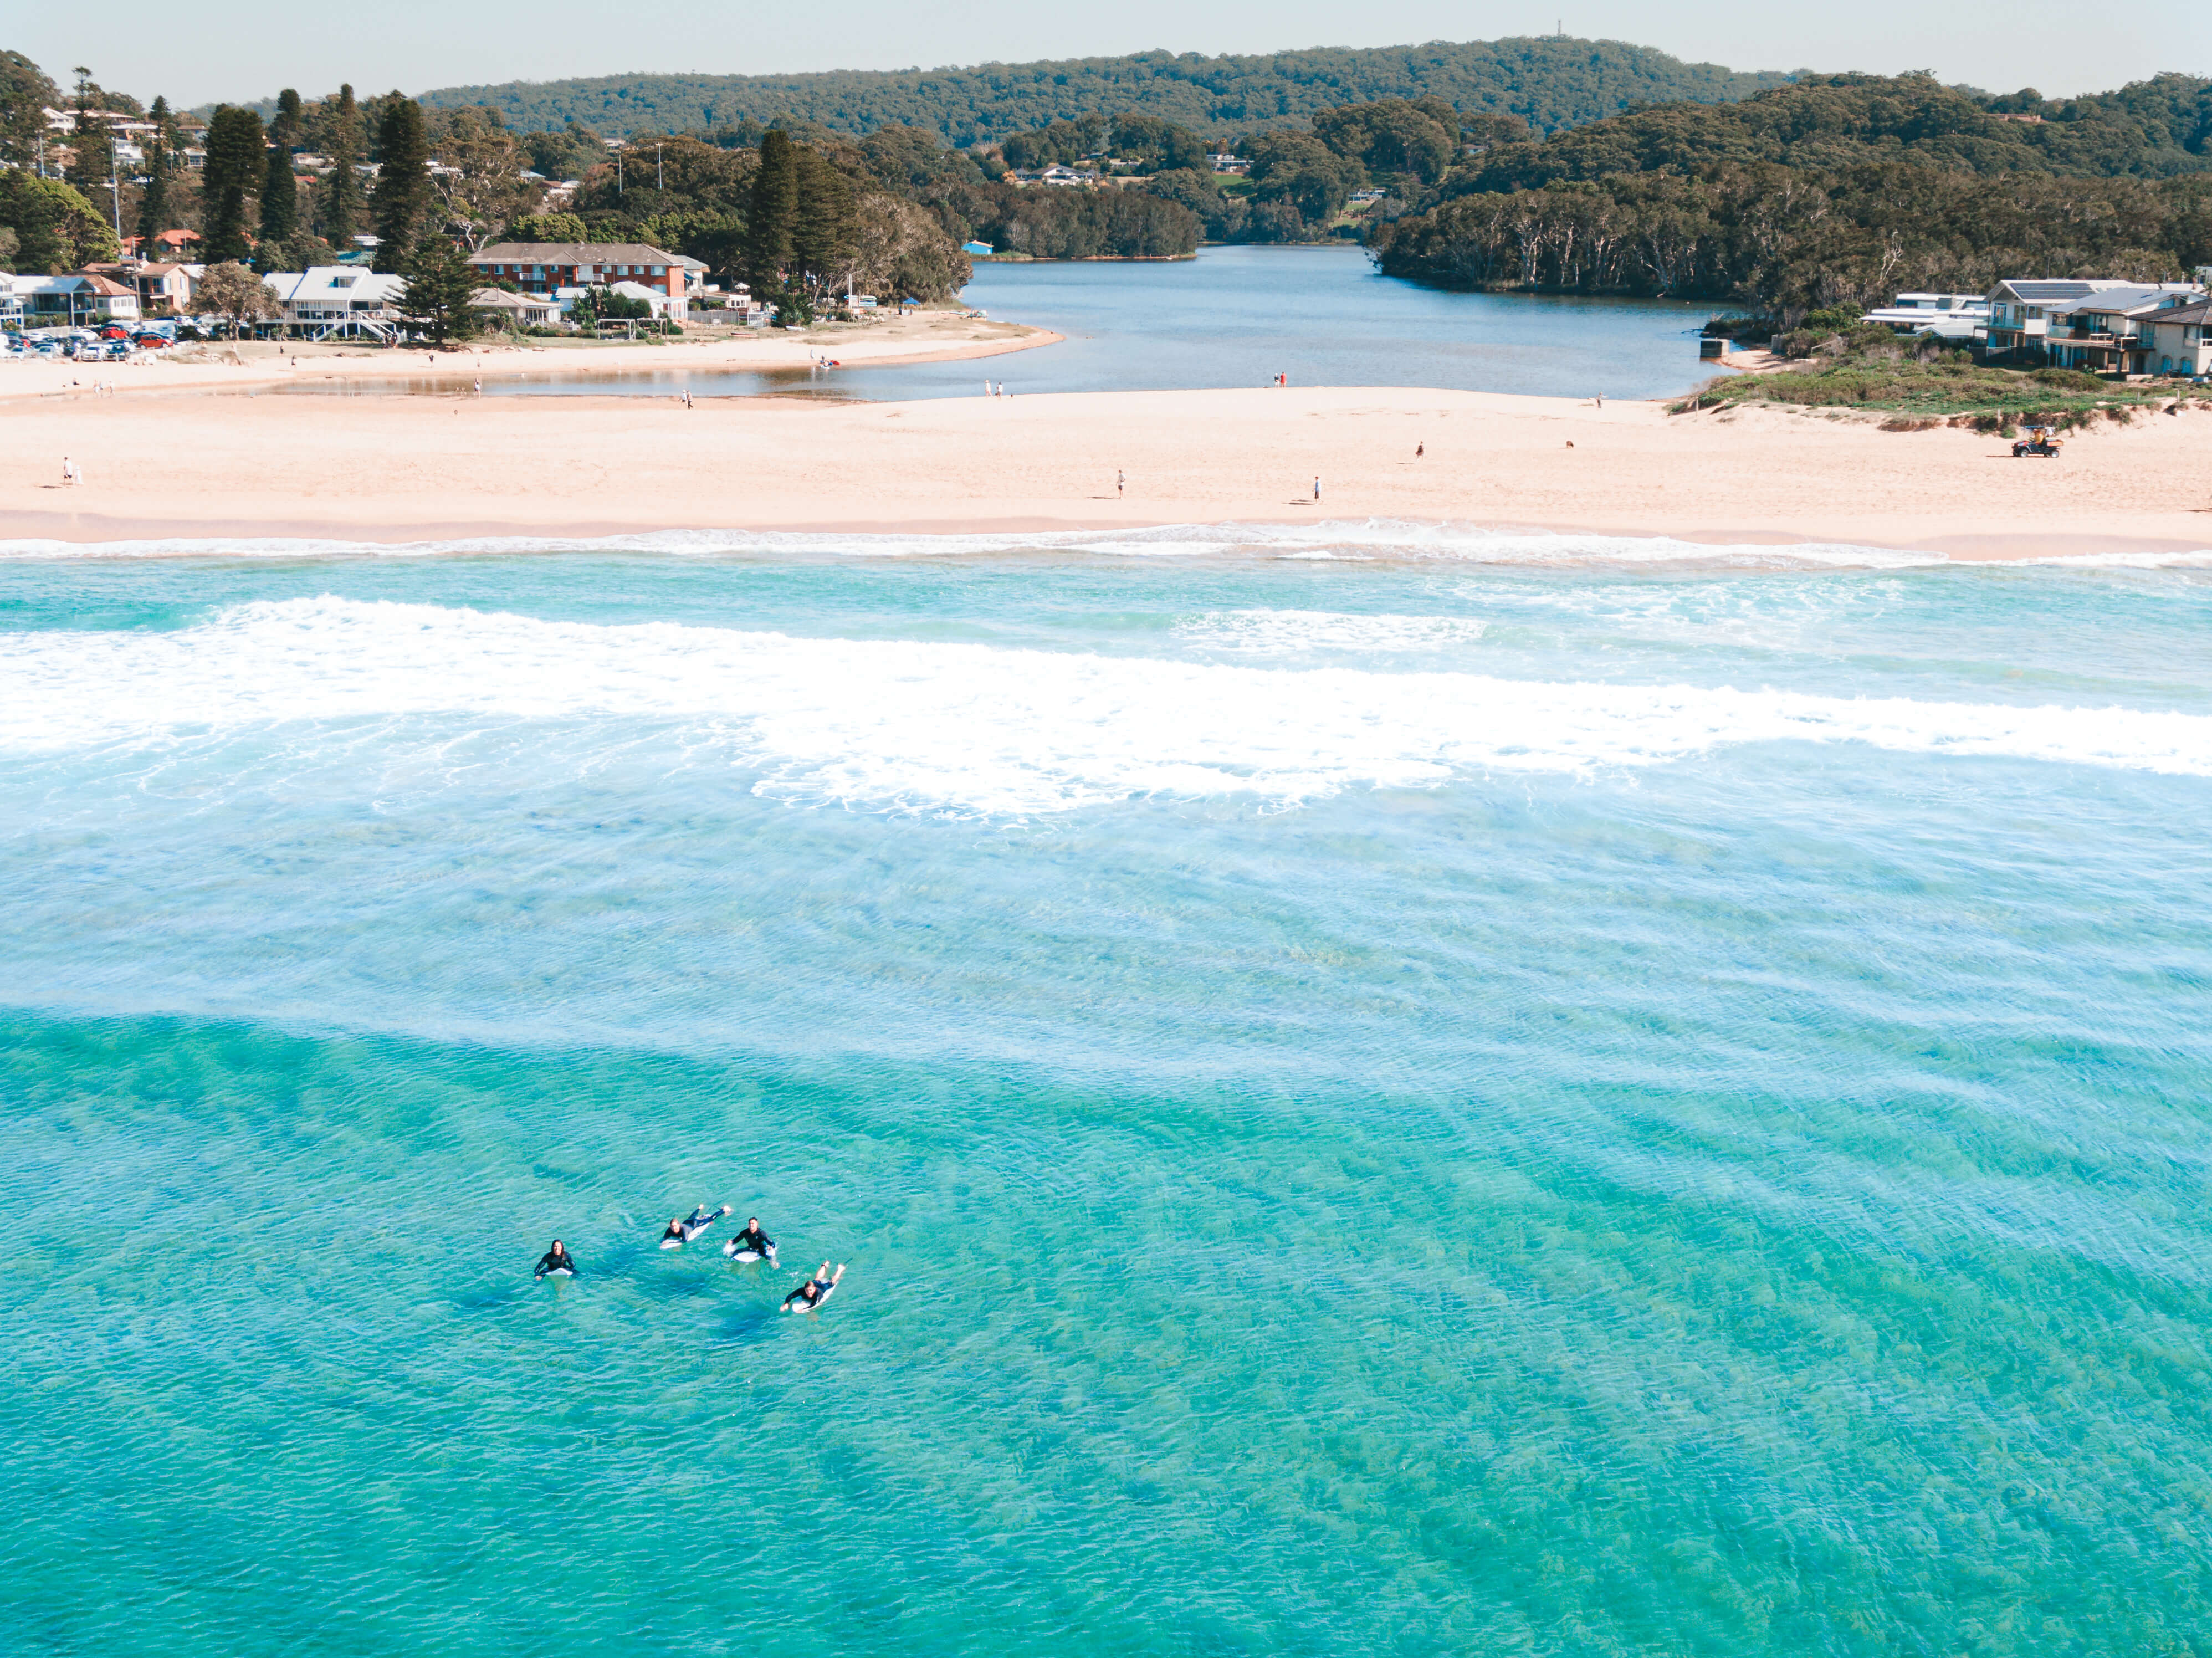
(700, 1221)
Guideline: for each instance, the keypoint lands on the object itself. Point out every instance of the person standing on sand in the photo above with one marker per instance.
(1316, 489)
(1120, 483)
(69, 474)
(1420, 449)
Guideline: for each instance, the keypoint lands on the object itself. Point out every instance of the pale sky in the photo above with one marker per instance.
(137, 45)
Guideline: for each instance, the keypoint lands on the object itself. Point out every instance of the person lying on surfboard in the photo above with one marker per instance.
(754, 1239)
(557, 1260)
(813, 1293)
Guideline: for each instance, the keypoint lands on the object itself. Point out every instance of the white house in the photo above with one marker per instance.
(72, 301)
(328, 300)
(522, 309)
(2178, 339)
(2020, 306)
(2103, 334)
(1947, 316)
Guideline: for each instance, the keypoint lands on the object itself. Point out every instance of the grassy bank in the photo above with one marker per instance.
(1920, 389)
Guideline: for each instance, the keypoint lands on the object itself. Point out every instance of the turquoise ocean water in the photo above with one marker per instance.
(1382, 1091)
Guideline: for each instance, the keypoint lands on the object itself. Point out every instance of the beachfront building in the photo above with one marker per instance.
(1953, 317)
(2021, 307)
(72, 301)
(661, 302)
(515, 310)
(2103, 333)
(164, 289)
(2178, 339)
(545, 268)
(338, 301)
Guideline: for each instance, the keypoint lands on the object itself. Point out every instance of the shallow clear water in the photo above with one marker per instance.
(1233, 316)
(1379, 1096)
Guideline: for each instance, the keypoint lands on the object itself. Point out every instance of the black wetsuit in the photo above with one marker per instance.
(550, 1262)
(756, 1241)
(810, 1292)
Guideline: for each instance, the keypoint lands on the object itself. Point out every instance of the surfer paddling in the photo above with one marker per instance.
(556, 1259)
(816, 1291)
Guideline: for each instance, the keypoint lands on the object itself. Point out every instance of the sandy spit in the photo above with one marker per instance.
(196, 462)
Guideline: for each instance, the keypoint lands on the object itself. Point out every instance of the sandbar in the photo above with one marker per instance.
(195, 462)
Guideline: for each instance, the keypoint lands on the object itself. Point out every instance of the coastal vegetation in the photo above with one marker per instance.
(1550, 83)
(1922, 384)
(1840, 189)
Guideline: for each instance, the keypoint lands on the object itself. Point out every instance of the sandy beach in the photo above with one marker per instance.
(178, 452)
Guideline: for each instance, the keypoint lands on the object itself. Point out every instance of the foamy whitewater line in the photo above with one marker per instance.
(1356, 539)
(934, 726)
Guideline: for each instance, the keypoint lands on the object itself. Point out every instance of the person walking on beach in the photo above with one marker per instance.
(1120, 483)
(1316, 489)
(68, 472)
(1420, 449)
(479, 387)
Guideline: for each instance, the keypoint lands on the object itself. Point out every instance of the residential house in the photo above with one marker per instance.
(2178, 339)
(1955, 317)
(75, 301)
(659, 298)
(2103, 333)
(164, 289)
(169, 244)
(2020, 306)
(522, 310)
(545, 268)
(327, 300)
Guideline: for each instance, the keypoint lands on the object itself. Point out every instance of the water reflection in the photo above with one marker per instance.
(1234, 316)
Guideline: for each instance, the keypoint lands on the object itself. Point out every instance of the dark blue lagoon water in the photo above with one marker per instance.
(1377, 1098)
(1236, 316)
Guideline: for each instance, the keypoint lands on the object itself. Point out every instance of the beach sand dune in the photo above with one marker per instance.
(207, 463)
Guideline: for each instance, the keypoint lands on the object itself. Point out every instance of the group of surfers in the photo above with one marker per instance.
(750, 1244)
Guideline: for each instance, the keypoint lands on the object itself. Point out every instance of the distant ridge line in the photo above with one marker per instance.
(1549, 81)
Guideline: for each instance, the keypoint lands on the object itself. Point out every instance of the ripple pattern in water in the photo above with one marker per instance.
(1396, 1106)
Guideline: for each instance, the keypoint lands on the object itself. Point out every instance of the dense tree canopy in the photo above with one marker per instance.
(1840, 189)
(1550, 83)
(55, 228)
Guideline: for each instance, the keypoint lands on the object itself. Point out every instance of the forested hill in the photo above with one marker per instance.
(2153, 128)
(1552, 84)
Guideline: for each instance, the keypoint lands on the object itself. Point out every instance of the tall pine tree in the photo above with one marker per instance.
(775, 212)
(234, 171)
(338, 213)
(153, 200)
(280, 199)
(440, 284)
(284, 129)
(822, 227)
(402, 181)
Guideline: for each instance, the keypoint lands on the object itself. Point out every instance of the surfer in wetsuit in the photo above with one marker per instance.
(556, 1259)
(754, 1239)
(675, 1232)
(810, 1292)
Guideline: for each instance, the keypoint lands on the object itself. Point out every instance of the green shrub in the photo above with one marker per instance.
(2070, 380)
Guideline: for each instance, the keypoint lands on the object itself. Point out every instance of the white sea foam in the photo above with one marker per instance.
(966, 727)
(1361, 540)
(1282, 632)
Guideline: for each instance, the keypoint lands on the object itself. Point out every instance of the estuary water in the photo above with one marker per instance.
(1233, 316)
(1381, 1092)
